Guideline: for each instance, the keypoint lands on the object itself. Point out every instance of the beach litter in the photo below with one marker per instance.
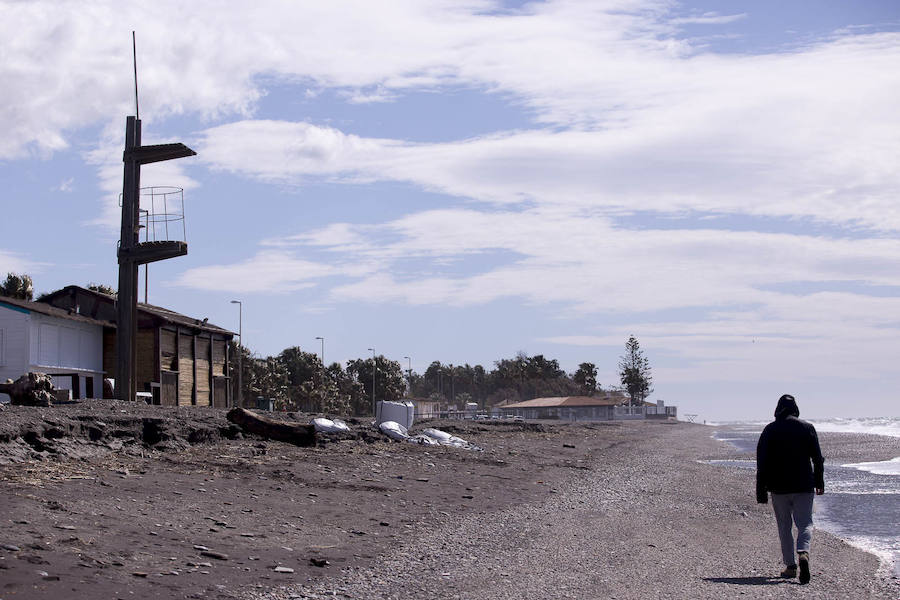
(429, 437)
(398, 412)
(324, 425)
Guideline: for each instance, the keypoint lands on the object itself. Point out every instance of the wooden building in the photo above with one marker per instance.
(612, 406)
(180, 360)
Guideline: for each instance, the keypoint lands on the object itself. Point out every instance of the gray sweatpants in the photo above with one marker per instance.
(791, 509)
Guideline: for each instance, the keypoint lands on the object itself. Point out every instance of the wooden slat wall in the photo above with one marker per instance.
(109, 352)
(168, 389)
(220, 392)
(218, 357)
(167, 354)
(146, 359)
(185, 370)
(203, 391)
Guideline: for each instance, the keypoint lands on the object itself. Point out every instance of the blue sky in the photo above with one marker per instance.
(461, 181)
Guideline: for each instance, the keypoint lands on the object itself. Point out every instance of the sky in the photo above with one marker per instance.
(464, 180)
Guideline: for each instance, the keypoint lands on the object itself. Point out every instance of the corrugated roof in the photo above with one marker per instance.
(52, 311)
(568, 401)
(174, 317)
(163, 313)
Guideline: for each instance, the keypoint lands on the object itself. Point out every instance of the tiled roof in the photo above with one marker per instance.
(569, 401)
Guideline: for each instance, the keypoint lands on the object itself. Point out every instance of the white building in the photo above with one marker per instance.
(64, 344)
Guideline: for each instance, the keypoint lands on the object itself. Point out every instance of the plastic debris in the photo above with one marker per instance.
(324, 425)
(429, 437)
(445, 439)
(394, 430)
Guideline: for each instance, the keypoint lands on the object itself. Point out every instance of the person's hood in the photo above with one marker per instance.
(787, 407)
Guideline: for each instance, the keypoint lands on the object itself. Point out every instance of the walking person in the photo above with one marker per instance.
(789, 464)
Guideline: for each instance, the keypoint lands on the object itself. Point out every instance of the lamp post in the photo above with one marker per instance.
(240, 397)
(409, 374)
(373, 381)
(322, 339)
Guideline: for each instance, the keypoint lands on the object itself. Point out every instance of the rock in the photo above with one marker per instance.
(10, 547)
(139, 574)
(199, 547)
(215, 555)
(318, 562)
(283, 570)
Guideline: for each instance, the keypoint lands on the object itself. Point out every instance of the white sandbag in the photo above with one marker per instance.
(445, 439)
(441, 436)
(423, 440)
(394, 430)
(324, 425)
(399, 412)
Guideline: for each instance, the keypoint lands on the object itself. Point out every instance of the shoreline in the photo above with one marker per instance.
(552, 510)
(843, 449)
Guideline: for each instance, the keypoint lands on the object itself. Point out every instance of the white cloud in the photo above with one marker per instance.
(64, 186)
(642, 118)
(13, 262)
(709, 18)
(268, 271)
(723, 165)
(580, 259)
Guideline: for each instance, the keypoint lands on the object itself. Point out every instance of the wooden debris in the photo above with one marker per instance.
(292, 433)
(31, 389)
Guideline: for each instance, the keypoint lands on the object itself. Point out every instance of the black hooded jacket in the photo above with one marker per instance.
(788, 457)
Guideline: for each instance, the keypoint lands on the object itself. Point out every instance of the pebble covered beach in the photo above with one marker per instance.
(546, 510)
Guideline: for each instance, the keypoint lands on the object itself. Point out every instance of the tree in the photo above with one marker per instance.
(17, 286)
(586, 378)
(389, 382)
(269, 379)
(103, 289)
(306, 381)
(634, 372)
(349, 395)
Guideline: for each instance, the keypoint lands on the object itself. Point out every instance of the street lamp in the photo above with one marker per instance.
(373, 382)
(409, 373)
(240, 397)
(323, 359)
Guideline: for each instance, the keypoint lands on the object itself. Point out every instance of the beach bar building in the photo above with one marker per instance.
(180, 360)
(609, 407)
(37, 337)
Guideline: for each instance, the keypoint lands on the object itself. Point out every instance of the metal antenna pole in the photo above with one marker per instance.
(137, 112)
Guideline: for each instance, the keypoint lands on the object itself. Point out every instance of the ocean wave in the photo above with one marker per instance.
(884, 467)
(889, 426)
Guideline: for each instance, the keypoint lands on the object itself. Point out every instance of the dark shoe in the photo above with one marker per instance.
(789, 572)
(803, 559)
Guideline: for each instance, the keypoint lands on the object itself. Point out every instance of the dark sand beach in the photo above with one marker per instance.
(101, 501)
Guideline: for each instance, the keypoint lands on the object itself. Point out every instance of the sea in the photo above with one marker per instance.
(861, 503)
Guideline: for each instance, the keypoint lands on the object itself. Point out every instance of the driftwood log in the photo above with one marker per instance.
(31, 389)
(292, 433)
